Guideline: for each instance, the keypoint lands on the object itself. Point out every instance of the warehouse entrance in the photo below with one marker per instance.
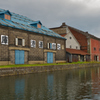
(49, 57)
(19, 56)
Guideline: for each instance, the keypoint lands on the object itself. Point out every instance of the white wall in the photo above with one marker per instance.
(71, 42)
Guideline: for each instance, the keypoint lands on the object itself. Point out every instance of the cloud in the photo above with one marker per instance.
(81, 14)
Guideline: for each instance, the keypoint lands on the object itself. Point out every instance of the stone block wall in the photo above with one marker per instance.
(61, 54)
(36, 69)
(36, 53)
(16, 33)
(7, 52)
(4, 54)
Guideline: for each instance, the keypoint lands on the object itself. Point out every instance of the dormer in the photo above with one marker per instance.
(6, 15)
(37, 24)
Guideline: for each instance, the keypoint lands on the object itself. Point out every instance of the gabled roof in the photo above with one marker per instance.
(6, 11)
(75, 51)
(79, 37)
(36, 22)
(24, 23)
(77, 31)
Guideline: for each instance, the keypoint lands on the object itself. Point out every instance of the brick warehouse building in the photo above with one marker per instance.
(24, 41)
(88, 44)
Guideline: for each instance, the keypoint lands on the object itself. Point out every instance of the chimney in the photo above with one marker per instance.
(87, 32)
(63, 24)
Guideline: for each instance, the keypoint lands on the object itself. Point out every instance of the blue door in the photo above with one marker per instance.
(19, 57)
(16, 56)
(49, 57)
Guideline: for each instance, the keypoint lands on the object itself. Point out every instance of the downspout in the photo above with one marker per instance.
(8, 46)
(43, 50)
(90, 51)
(71, 57)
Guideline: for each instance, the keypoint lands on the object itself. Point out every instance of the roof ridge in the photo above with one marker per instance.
(84, 33)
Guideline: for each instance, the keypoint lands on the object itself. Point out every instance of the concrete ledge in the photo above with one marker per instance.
(61, 61)
(47, 50)
(4, 62)
(35, 69)
(18, 48)
(36, 62)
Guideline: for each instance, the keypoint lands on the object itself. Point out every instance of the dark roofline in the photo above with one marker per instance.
(36, 22)
(3, 12)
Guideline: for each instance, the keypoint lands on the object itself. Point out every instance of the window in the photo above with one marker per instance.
(4, 39)
(40, 44)
(20, 42)
(58, 46)
(70, 46)
(38, 25)
(54, 46)
(94, 48)
(76, 47)
(70, 37)
(7, 17)
(51, 46)
(33, 43)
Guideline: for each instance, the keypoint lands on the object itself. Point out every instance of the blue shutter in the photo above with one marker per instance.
(50, 45)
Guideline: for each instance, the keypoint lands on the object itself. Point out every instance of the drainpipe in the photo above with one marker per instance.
(8, 47)
(71, 57)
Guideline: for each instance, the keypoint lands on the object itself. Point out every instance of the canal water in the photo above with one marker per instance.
(74, 84)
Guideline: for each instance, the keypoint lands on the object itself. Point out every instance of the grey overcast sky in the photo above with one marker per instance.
(81, 14)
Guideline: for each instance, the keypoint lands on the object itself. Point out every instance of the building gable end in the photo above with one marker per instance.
(73, 36)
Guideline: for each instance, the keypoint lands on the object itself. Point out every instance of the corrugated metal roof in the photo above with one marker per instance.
(24, 23)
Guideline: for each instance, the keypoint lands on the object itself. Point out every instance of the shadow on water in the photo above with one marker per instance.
(75, 84)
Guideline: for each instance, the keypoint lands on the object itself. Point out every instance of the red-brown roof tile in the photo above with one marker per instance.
(62, 35)
(74, 51)
(82, 39)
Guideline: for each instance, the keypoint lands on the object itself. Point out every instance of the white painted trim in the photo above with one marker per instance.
(16, 41)
(39, 44)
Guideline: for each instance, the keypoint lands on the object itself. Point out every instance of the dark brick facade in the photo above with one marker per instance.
(7, 52)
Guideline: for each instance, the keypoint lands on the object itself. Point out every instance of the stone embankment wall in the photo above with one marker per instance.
(35, 69)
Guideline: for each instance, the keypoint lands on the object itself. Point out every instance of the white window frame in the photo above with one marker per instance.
(58, 46)
(39, 44)
(54, 46)
(48, 45)
(7, 40)
(16, 41)
(23, 42)
(34, 46)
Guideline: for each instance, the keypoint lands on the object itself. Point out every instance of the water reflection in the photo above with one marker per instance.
(50, 81)
(76, 84)
(19, 89)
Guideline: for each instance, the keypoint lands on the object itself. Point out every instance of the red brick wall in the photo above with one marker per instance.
(95, 44)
